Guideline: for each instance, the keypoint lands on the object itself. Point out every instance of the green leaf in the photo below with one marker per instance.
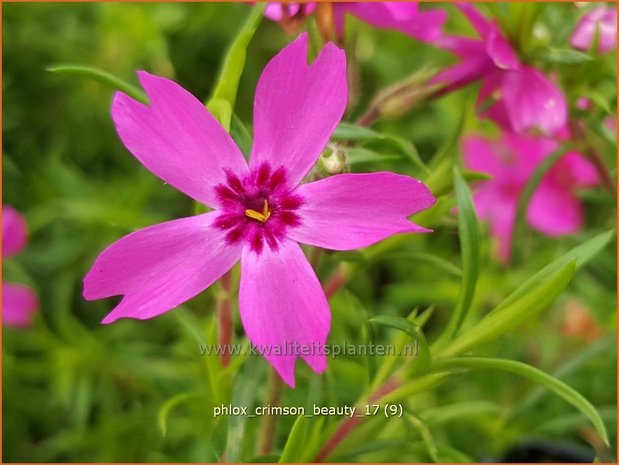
(296, 441)
(527, 194)
(580, 254)
(104, 78)
(439, 262)
(459, 410)
(592, 352)
(349, 131)
(558, 387)
(241, 135)
(468, 228)
(422, 358)
(519, 310)
(599, 99)
(171, 403)
(245, 389)
(426, 436)
(415, 386)
(561, 55)
(221, 104)
(361, 155)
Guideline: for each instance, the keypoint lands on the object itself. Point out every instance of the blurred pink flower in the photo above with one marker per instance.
(400, 16)
(19, 302)
(261, 212)
(554, 210)
(602, 18)
(517, 97)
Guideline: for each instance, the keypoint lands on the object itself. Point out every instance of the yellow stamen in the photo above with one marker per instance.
(260, 216)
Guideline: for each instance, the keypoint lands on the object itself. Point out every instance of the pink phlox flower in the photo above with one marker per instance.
(261, 212)
(554, 210)
(517, 97)
(602, 20)
(404, 17)
(19, 302)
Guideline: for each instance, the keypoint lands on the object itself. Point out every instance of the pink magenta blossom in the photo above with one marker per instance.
(19, 302)
(517, 97)
(554, 210)
(400, 16)
(261, 212)
(601, 21)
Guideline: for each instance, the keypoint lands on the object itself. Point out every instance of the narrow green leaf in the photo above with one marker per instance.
(171, 403)
(352, 132)
(573, 364)
(470, 176)
(581, 254)
(468, 228)
(460, 410)
(241, 135)
(422, 359)
(439, 262)
(245, 389)
(361, 155)
(534, 374)
(512, 315)
(296, 441)
(426, 436)
(221, 104)
(415, 386)
(561, 55)
(527, 194)
(408, 150)
(103, 77)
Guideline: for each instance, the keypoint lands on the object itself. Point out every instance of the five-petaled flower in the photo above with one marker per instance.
(19, 302)
(517, 97)
(554, 209)
(261, 212)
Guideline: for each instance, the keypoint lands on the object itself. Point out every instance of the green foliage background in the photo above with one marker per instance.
(74, 390)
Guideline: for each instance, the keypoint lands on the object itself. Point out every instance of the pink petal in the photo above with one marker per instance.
(532, 101)
(19, 303)
(464, 73)
(479, 155)
(502, 224)
(177, 138)
(554, 211)
(464, 47)
(283, 306)
(498, 208)
(401, 16)
(528, 151)
(160, 267)
(14, 231)
(297, 107)
(479, 22)
(274, 10)
(582, 171)
(501, 51)
(349, 211)
(602, 18)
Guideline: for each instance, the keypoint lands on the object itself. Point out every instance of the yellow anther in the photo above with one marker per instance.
(260, 216)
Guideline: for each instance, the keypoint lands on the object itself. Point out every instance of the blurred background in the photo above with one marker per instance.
(138, 391)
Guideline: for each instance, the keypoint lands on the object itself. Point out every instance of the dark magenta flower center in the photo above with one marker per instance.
(259, 208)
